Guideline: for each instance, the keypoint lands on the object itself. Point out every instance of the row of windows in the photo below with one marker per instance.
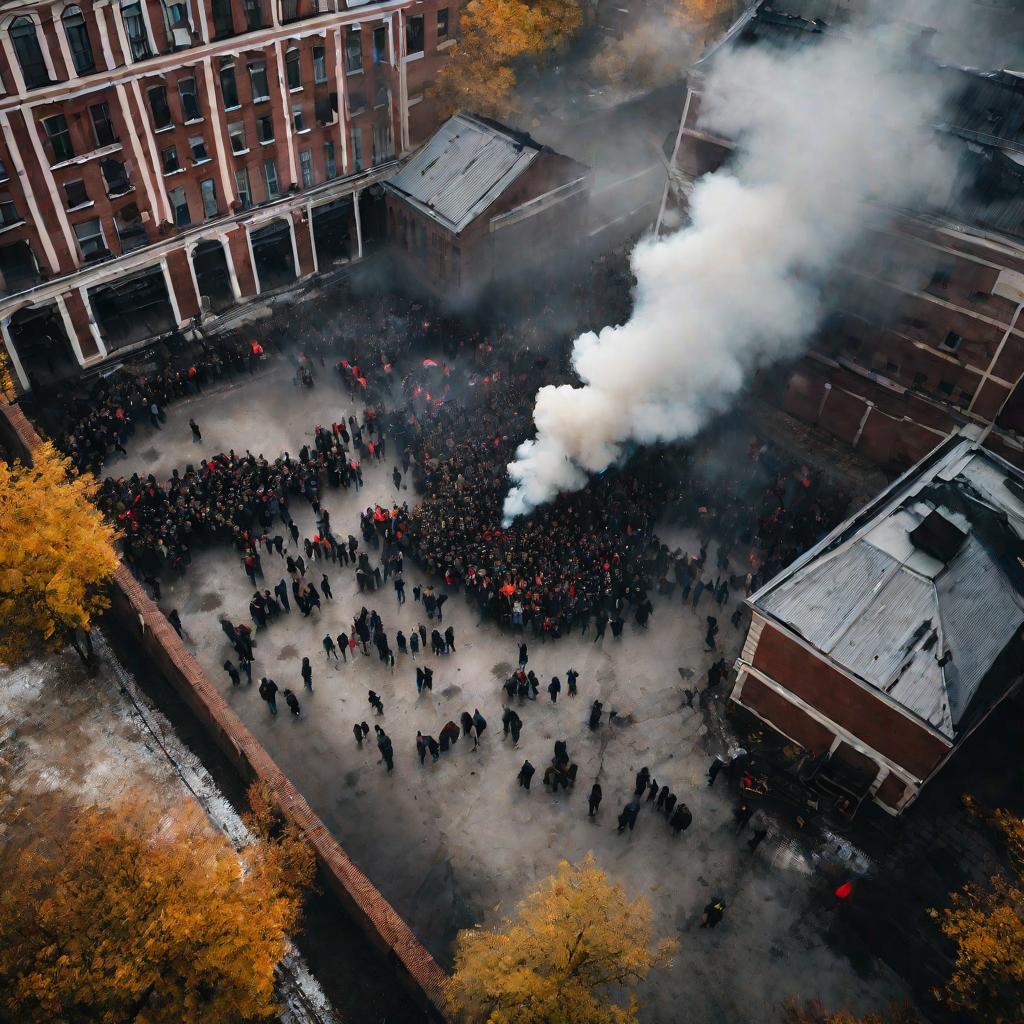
(35, 72)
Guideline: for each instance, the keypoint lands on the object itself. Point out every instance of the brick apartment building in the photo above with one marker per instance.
(929, 336)
(159, 159)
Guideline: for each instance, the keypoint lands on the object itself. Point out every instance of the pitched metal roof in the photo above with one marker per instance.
(925, 632)
(462, 168)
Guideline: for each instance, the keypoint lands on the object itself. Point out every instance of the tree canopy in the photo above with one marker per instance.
(574, 938)
(480, 75)
(56, 555)
(986, 926)
(132, 914)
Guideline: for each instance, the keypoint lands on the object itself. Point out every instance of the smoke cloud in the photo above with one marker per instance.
(821, 132)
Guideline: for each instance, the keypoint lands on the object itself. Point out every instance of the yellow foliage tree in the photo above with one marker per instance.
(134, 915)
(573, 938)
(815, 1013)
(986, 924)
(56, 555)
(479, 75)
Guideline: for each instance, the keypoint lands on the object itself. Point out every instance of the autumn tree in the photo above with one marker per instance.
(56, 556)
(986, 926)
(574, 938)
(814, 1012)
(133, 915)
(480, 74)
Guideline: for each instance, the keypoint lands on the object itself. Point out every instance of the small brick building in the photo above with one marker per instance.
(883, 647)
(481, 201)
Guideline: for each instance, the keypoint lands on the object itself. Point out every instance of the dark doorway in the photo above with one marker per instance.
(42, 345)
(213, 277)
(133, 309)
(272, 249)
(333, 226)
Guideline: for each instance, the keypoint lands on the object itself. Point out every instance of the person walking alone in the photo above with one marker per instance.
(525, 775)
(197, 437)
(268, 691)
(594, 800)
(307, 674)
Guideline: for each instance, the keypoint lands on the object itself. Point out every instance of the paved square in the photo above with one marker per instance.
(459, 842)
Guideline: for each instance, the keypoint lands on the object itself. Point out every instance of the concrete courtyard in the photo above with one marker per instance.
(458, 843)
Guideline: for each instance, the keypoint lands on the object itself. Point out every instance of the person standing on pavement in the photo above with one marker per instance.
(268, 691)
(525, 775)
(594, 800)
(307, 674)
(197, 437)
(554, 689)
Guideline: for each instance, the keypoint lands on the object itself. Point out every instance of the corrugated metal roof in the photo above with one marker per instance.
(880, 619)
(462, 168)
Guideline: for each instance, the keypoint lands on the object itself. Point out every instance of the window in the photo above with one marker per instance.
(131, 232)
(223, 23)
(306, 167)
(892, 368)
(236, 132)
(382, 140)
(90, 239)
(941, 278)
(115, 177)
(380, 46)
(945, 387)
(298, 119)
(229, 87)
(75, 194)
(3, 171)
(78, 40)
(270, 174)
(102, 126)
(135, 28)
(169, 159)
(179, 24)
(356, 101)
(319, 65)
(189, 102)
(30, 56)
(242, 187)
(198, 146)
(330, 163)
(357, 148)
(325, 108)
(258, 78)
(919, 379)
(442, 24)
(59, 137)
(8, 211)
(179, 204)
(383, 98)
(353, 51)
(208, 189)
(253, 14)
(951, 342)
(289, 10)
(414, 34)
(265, 125)
(159, 108)
(293, 68)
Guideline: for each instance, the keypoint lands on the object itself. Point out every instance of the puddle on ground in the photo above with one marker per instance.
(287, 652)
(207, 602)
(502, 670)
(149, 455)
(451, 691)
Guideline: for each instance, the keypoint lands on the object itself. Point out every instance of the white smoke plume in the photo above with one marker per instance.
(820, 133)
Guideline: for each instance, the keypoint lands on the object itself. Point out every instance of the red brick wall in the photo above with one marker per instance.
(848, 704)
(785, 716)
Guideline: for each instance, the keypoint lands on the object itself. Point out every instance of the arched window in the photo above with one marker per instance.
(30, 56)
(78, 40)
(293, 68)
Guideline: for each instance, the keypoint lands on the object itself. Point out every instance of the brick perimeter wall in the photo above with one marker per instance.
(135, 610)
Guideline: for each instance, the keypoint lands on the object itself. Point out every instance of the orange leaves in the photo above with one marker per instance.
(56, 554)
(575, 941)
(492, 35)
(986, 927)
(129, 914)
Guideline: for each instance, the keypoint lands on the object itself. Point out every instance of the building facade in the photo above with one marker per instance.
(883, 647)
(163, 161)
(927, 336)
